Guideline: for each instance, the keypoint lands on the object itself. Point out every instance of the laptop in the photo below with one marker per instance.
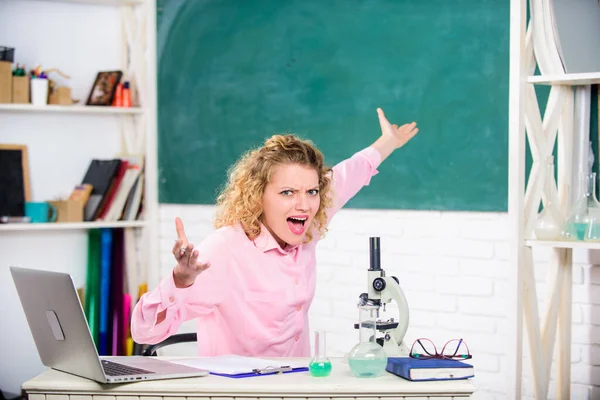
(63, 339)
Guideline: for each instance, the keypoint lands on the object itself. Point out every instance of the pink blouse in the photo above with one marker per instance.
(254, 298)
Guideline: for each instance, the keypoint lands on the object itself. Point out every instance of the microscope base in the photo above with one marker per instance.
(396, 350)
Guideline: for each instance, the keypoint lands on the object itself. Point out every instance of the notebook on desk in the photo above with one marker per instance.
(433, 369)
(62, 336)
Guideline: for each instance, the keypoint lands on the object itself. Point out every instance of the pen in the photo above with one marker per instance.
(272, 370)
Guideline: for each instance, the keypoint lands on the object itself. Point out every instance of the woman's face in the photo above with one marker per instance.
(290, 202)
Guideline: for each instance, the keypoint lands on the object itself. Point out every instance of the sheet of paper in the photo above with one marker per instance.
(232, 364)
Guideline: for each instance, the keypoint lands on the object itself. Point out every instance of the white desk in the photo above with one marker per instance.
(55, 385)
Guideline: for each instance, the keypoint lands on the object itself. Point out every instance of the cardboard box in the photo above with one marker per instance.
(68, 210)
(5, 82)
(20, 89)
(62, 96)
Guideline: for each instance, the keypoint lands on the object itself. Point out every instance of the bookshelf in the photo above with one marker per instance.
(62, 140)
(535, 45)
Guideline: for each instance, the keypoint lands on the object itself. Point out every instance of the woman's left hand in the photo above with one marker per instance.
(397, 135)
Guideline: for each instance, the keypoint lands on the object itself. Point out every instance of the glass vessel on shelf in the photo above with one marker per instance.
(586, 209)
(367, 359)
(548, 223)
(592, 233)
(320, 365)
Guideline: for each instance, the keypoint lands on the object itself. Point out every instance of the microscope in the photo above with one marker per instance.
(383, 290)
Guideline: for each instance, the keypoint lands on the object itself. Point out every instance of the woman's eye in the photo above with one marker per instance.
(313, 192)
(287, 193)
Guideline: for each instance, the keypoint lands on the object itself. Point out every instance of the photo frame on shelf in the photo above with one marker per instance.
(104, 88)
(15, 187)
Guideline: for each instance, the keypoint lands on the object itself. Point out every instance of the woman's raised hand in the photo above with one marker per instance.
(399, 134)
(188, 267)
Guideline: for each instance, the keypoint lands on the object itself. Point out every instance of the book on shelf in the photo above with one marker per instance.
(113, 287)
(117, 188)
(99, 175)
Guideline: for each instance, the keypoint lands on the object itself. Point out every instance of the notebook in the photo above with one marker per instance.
(62, 336)
(433, 369)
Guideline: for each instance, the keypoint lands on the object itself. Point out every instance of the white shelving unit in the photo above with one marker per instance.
(532, 44)
(64, 139)
(138, 42)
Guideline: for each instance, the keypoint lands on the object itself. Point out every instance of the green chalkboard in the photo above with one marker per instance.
(233, 72)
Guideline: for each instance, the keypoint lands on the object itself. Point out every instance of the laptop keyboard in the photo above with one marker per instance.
(115, 369)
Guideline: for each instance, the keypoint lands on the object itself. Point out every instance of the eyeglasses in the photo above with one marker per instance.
(455, 349)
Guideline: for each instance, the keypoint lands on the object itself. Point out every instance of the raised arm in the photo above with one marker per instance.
(183, 294)
(350, 175)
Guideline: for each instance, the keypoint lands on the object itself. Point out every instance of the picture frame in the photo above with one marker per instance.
(15, 187)
(104, 88)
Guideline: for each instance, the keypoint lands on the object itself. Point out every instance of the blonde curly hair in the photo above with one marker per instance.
(240, 201)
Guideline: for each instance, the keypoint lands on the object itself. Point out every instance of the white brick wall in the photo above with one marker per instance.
(453, 268)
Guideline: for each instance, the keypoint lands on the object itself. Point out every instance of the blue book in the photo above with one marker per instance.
(433, 369)
(104, 309)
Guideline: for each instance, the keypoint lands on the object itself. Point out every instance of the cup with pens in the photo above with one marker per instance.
(39, 87)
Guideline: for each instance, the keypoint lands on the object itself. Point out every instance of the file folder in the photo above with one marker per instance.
(284, 369)
(234, 366)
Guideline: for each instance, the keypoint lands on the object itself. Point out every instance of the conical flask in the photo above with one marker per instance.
(583, 210)
(548, 225)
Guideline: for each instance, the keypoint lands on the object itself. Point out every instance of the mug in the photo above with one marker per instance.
(40, 211)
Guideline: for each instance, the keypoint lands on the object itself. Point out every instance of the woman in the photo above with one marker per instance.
(250, 283)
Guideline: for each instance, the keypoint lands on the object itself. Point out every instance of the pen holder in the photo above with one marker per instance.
(5, 82)
(39, 91)
(61, 96)
(20, 89)
(68, 210)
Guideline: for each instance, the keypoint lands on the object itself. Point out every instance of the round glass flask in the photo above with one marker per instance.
(367, 359)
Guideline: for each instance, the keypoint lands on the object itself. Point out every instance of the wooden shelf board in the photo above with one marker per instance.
(566, 79)
(563, 244)
(70, 109)
(70, 225)
(101, 2)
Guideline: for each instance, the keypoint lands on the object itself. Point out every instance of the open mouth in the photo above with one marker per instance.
(296, 224)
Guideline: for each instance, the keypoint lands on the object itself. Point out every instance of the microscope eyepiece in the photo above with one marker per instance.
(375, 254)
